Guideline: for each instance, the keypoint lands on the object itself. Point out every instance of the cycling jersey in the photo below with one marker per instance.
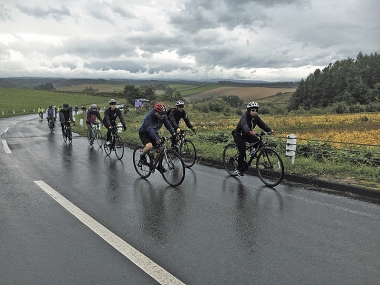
(175, 116)
(151, 125)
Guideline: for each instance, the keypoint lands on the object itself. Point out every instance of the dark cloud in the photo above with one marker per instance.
(38, 12)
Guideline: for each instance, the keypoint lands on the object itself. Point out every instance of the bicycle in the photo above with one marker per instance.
(186, 149)
(167, 161)
(269, 165)
(67, 133)
(41, 116)
(51, 124)
(116, 144)
(95, 134)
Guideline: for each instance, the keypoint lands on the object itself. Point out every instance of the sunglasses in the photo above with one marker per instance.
(254, 110)
(112, 103)
(180, 106)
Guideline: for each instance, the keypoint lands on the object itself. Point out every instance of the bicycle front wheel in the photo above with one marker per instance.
(269, 166)
(99, 138)
(230, 158)
(188, 153)
(119, 147)
(172, 168)
(142, 169)
(107, 148)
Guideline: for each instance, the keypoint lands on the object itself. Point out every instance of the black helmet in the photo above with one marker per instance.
(112, 102)
(65, 105)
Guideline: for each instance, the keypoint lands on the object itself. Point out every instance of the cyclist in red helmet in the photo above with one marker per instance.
(151, 124)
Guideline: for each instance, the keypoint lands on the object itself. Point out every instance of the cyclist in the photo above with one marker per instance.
(92, 114)
(109, 120)
(175, 115)
(65, 116)
(50, 113)
(244, 132)
(41, 112)
(151, 124)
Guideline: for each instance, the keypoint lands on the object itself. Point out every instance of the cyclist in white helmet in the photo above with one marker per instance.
(244, 132)
(175, 115)
(92, 115)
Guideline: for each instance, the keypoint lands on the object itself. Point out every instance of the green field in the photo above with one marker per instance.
(27, 101)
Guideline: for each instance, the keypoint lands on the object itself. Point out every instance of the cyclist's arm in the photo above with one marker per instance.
(244, 124)
(187, 121)
(263, 126)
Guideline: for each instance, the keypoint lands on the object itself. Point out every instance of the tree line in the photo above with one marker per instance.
(347, 82)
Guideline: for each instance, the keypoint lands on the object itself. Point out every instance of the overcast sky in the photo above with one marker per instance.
(272, 40)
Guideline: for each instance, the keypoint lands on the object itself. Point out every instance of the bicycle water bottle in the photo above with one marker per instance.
(252, 153)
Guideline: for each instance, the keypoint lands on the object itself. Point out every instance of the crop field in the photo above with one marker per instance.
(246, 93)
(99, 87)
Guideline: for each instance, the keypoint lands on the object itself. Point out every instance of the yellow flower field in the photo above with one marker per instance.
(361, 128)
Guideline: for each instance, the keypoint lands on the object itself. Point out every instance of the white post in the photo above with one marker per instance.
(14, 112)
(291, 143)
(81, 122)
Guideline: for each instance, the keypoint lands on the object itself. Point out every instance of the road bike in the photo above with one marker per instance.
(167, 161)
(41, 116)
(115, 144)
(186, 149)
(95, 135)
(67, 133)
(269, 165)
(51, 124)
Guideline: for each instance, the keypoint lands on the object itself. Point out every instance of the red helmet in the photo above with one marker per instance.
(160, 107)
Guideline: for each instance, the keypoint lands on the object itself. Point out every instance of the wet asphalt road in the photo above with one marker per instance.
(213, 229)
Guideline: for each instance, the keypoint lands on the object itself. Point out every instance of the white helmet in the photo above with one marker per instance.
(252, 104)
(179, 103)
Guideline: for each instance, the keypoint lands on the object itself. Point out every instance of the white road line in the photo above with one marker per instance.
(6, 147)
(139, 259)
(6, 130)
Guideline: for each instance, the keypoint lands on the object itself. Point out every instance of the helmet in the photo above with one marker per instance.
(179, 103)
(65, 105)
(252, 104)
(160, 107)
(112, 102)
(51, 106)
(94, 106)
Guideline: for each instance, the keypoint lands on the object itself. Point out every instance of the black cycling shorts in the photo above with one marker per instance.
(145, 138)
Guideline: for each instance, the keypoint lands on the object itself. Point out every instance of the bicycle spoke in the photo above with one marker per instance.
(270, 168)
(188, 153)
(119, 147)
(230, 159)
(142, 169)
(172, 168)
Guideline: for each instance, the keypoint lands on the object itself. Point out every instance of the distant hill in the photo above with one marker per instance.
(31, 82)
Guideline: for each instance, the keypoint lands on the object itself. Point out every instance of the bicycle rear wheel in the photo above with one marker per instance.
(172, 168)
(119, 147)
(99, 138)
(230, 158)
(64, 134)
(142, 169)
(188, 153)
(70, 135)
(269, 166)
